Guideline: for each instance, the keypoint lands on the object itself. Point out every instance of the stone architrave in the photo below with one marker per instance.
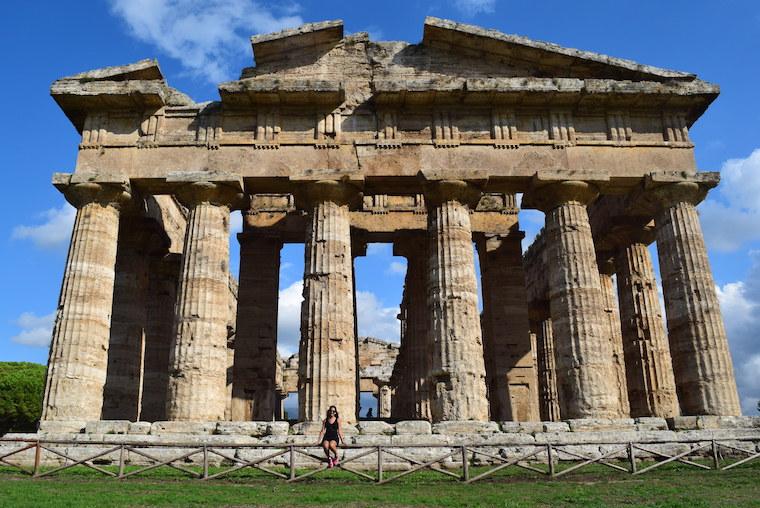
(254, 394)
(327, 352)
(510, 373)
(586, 381)
(702, 365)
(649, 370)
(458, 388)
(612, 314)
(162, 296)
(198, 362)
(416, 345)
(79, 350)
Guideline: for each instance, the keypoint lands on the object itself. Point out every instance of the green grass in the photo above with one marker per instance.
(672, 486)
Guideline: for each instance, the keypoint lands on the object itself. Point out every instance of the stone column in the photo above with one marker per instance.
(547, 372)
(612, 315)
(649, 370)
(417, 340)
(384, 402)
(254, 385)
(585, 374)
(702, 365)
(198, 362)
(79, 349)
(510, 373)
(124, 380)
(161, 299)
(327, 353)
(458, 388)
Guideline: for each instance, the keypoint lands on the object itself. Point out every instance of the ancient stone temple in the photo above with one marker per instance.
(335, 141)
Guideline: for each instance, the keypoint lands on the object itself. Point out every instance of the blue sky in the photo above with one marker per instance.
(200, 43)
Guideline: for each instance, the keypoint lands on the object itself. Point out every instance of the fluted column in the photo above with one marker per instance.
(702, 365)
(384, 401)
(161, 299)
(79, 349)
(198, 362)
(510, 373)
(547, 372)
(649, 371)
(327, 352)
(612, 315)
(417, 339)
(458, 389)
(585, 375)
(254, 385)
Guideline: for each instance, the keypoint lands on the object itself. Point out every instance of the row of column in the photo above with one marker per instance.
(581, 337)
(455, 385)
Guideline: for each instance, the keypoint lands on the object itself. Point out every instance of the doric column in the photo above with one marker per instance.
(198, 362)
(161, 299)
(327, 352)
(384, 401)
(458, 389)
(79, 349)
(649, 371)
(612, 315)
(122, 395)
(254, 385)
(510, 373)
(416, 337)
(702, 365)
(585, 375)
(549, 403)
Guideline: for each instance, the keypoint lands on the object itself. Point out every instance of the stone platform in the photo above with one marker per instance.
(418, 440)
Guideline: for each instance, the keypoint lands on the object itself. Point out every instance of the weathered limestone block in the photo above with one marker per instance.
(586, 383)
(183, 427)
(62, 426)
(306, 428)
(139, 428)
(242, 428)
(612, 314)
(556, 427)
(465, 427)
(601, 424)
(510, 371)
(702, 365)
(651, 423)
(458, 375)
(327, 352)
(198, 363)
(79, 350)
(375, 428)
(521, 427)
(254, 370)
(413, 427)
(107, 427)
(417, 339)
(649, 371)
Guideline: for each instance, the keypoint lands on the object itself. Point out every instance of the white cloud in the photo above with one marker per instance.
(473, 7)
(374, 319)
(35, 330)
(236, 224)
(55, 232)
(204, 35)
(289, 319)
(736, 203)
(396, 268)
(740, 305)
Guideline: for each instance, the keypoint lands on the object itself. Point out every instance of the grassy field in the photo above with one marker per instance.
(672, 486)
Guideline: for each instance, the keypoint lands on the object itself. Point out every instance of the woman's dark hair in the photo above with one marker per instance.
(332, 408)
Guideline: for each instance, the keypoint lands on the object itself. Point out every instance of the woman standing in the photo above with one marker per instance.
(331, 435)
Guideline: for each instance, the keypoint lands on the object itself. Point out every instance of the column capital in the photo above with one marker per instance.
(547, 196)
(438, 192)
(663, 190)
(229, 194)
(82, 190)
(310, 193)
(624, 234)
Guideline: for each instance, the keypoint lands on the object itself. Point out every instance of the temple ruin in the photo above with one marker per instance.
(336, 141)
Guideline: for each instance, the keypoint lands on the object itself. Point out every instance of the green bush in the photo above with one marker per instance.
(21, 387)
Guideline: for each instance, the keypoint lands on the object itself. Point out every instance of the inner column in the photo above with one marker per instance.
(458, 390)
(327, 352)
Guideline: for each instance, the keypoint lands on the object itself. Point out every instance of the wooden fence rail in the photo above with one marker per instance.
(548, 455)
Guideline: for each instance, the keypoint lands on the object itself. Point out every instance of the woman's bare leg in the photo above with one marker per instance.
(326, 447)
(334, 448)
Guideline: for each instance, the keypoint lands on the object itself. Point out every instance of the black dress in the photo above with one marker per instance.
(331, 431)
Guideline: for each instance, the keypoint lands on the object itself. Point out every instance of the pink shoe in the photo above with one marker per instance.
(330, 463)
(336, 461)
